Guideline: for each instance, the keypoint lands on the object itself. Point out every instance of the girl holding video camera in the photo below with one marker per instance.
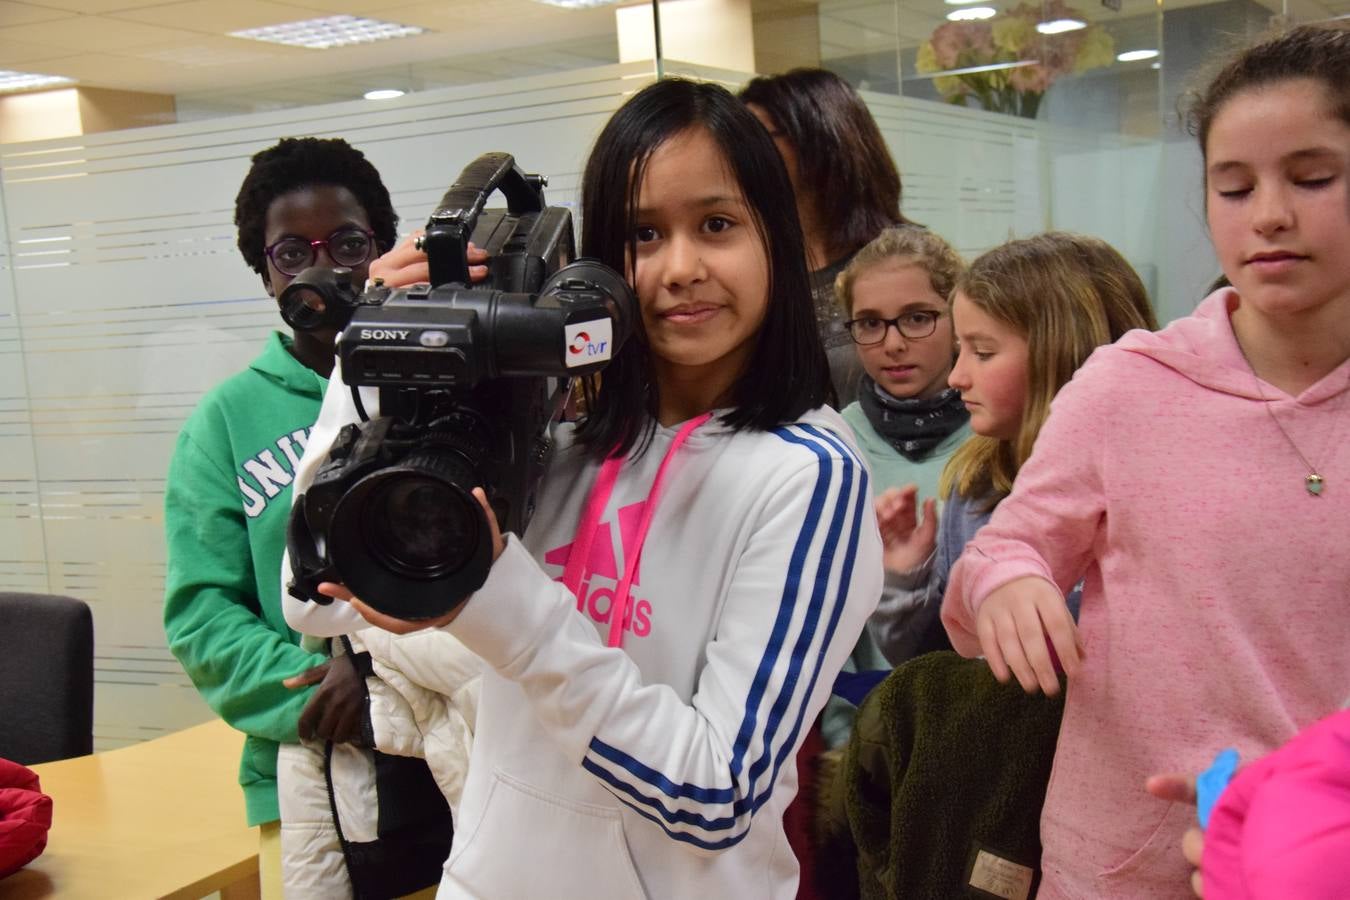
(637, 727)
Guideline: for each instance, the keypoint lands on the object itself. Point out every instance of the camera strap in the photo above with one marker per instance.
(579, 556)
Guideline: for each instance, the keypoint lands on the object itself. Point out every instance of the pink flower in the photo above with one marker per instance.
(1033, 79)
(960, 44)
(1059, 51)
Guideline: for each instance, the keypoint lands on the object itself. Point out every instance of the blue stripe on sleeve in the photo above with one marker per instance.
(845, 583)
(767, 663)
(685, 837)
(814, 604)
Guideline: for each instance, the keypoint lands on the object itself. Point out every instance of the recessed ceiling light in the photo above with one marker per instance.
(329, 32)
(1136, 55)
(972, 13)
(22, 81)
(383, 94)
(587, 4)
(1059, 26)
(960, 2)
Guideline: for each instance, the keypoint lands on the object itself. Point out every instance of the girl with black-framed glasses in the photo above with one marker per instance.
(893, 301)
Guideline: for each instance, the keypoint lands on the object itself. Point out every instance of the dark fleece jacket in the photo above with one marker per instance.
(944, 763)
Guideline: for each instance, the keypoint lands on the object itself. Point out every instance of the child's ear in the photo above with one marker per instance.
(267, 285)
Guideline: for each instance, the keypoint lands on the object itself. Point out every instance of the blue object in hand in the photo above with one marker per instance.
(1211, 782)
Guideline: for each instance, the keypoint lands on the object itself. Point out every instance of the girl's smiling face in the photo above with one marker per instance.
(702, 270)
(990, 370)
(1276, 196)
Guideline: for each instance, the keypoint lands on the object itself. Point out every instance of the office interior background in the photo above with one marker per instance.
(123, 297)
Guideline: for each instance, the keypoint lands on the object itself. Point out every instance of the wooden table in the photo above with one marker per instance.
(164, 818)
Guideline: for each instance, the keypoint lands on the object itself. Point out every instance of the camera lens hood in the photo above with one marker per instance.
(412, 541)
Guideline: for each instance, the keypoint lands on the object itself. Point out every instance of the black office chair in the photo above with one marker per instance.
(46, 678)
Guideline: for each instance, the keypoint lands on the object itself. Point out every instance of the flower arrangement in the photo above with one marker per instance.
(1011, 37)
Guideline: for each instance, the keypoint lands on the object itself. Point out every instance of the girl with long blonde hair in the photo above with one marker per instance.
(1027, 314)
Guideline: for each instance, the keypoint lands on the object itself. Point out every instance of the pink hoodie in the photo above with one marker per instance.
(1216, 602)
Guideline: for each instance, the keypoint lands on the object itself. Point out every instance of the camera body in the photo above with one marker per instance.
(470, 379)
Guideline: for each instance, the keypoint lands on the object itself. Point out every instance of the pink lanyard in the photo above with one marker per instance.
(580, 554)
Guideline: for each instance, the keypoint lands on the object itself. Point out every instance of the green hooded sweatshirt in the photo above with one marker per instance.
(226, 506)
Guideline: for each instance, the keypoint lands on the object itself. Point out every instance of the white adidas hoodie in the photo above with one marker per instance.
(661, 769)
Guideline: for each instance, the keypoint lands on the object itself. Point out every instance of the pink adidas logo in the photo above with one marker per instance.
(604, 567)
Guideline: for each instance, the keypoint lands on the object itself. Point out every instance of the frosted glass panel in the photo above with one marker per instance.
(124, 298)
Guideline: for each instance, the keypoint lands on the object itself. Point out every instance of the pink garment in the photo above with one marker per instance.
(1282, 827)
(1215, 587)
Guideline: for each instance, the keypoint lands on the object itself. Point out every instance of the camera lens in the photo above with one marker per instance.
(420, 527)
(410, 539)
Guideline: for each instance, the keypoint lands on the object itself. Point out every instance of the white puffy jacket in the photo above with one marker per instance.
(423, 691)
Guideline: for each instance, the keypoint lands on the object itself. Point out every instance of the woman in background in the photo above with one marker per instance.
(846, 185)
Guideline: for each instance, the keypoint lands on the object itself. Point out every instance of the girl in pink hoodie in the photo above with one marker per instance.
(1198, 481)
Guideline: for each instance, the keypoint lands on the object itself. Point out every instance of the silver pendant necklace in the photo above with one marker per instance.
(1313, 483)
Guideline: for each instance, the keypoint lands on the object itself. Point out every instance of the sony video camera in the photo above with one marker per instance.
(470, 378)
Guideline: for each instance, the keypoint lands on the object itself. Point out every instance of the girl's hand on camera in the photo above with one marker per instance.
(383, 620)
(405, 264)
(406, 626)
(1019, 624)
(498, 542)
(906, 540)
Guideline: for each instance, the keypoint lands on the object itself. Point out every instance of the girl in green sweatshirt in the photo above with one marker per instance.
(228, 493)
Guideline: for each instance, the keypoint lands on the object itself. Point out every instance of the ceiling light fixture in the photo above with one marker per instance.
(22, 81)
(383, 94)
(961, 2)
(589, 4)
(1136, 55)
(329, 32)
(972, 14)
(1059, 26)
(971, 70)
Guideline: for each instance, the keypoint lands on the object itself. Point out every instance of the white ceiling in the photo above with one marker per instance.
(182, 47)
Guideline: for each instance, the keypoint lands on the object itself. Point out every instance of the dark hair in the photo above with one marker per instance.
(1319, 52)
(842, 157)
(787, 373)
(295, 163)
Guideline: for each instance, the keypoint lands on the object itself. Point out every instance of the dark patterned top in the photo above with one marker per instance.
(845, 369)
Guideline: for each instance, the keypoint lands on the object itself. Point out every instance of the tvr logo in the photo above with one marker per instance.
(582, 344)
(588, 342)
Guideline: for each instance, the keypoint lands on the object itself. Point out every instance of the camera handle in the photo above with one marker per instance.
(446, 241)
